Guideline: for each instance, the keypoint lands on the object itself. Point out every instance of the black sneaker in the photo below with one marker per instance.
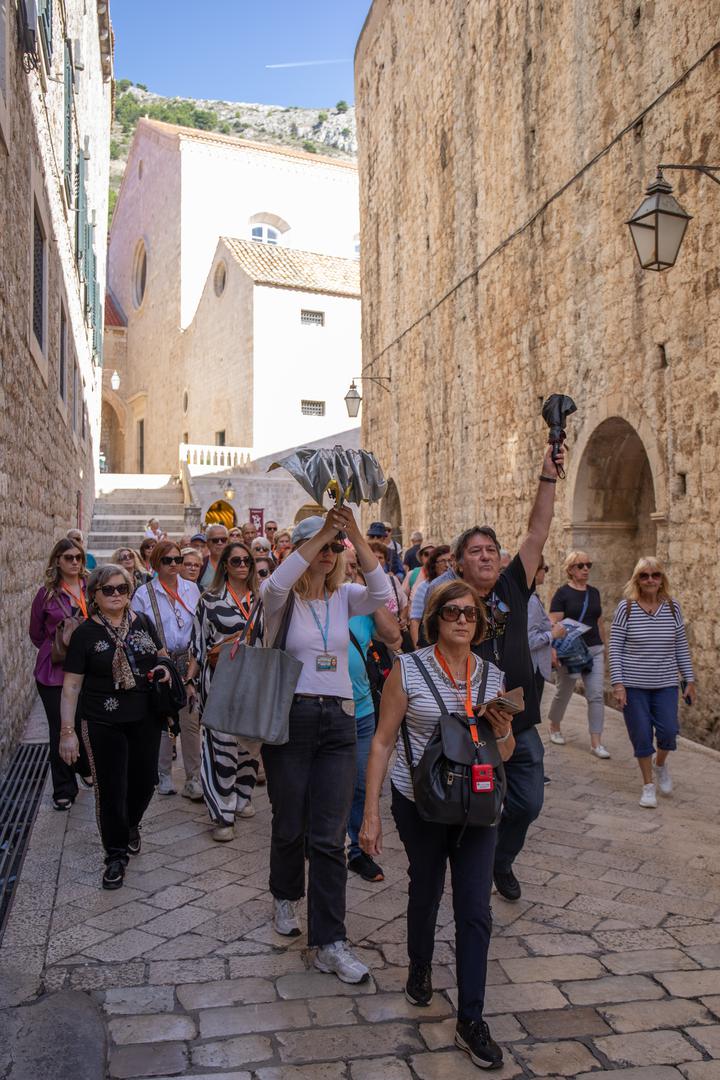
(507, 884)
(114, 874)
(366, 867)
(134, 842)
(419, 988)
(473, 1036)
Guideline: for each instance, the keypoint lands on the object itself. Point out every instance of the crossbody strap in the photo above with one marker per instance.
(281, 636)
(428, 679)
(356, 643)
(483, 680)
(585, 605)
(156, 614)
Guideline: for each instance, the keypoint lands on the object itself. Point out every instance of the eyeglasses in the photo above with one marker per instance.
(168, 560)
(216, 540)
(192, 565)
(583, 566)
(239, 560)
(110, 590)
(336, 547)
(451, 613)
(647, 575)
(72, 558)
(263, 573)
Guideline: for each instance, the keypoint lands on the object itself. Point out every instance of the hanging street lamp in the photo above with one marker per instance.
(115, 381)
(353, 400)
(229, 492)
(658, 225)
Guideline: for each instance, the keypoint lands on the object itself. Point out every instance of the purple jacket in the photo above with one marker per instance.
(45, 615)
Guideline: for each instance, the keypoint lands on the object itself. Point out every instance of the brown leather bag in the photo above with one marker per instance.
(63, 632)
(214, 652)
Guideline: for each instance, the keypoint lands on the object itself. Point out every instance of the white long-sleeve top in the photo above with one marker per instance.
(305, 640)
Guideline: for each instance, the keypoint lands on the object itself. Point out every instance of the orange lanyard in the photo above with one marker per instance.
(175, 597)
(79, 600)
(244, 609)
(468, 689)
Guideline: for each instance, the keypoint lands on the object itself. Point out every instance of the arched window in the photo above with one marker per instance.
(265, 234)
(139, 277)
(267, 228)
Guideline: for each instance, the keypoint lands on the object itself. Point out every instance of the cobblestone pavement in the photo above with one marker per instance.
(611, 960)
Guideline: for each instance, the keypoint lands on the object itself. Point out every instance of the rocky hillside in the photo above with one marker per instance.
(328, 131)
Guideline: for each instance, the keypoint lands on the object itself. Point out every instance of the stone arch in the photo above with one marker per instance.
(308, 510)
(266, 218)
(221, 512)
(391, 509)
(614, 516)
(112, 432)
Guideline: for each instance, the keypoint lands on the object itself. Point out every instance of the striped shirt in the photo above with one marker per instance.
(648, 651)
(423, 711)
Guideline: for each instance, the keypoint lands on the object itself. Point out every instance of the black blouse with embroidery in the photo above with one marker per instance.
(90, 653)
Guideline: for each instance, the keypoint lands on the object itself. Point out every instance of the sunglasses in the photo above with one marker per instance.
(168, 560)
(126, 556)
(263, 573)
(583, 566)
(239, 560)
(451, 613)
(111, 590)
(72, 558)
(647, 575)
(270, 528)
(216, 540)
(336, 547)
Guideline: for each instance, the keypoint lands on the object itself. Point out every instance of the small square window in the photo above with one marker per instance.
(312, 408)
(312, 318)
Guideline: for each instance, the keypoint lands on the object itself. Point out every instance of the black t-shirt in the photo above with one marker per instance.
(570, 602)
(507, 643)
(90, 653)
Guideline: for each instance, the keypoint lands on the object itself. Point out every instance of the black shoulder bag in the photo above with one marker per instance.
(449, 787)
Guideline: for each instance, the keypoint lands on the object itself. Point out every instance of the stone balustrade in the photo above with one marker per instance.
(205, 458)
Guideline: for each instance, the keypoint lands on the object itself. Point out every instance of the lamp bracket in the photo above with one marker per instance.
(707, 170)
(380, 380)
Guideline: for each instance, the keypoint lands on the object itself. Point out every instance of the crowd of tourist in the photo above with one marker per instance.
(395, 651)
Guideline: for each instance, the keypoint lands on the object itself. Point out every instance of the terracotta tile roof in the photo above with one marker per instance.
(287, 268)
(197, 135)
(113, 313)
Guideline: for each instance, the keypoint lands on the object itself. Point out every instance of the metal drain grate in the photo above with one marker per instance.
(20, 792)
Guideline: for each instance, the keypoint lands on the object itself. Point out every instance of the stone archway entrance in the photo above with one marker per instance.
(221, 513)
(613, 506)
(112, 440)
(391, 510)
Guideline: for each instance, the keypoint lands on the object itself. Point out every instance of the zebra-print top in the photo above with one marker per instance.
(216, 617)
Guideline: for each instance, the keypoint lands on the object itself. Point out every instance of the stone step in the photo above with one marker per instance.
(122, 524)
(112, 541)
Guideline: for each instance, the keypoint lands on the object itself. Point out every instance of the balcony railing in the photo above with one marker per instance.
(205, 458)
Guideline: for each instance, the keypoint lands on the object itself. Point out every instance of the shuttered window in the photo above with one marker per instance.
(312, 318)
(45, 21)
(38, 284)
(68, 124)
(81, 219)
(62, 365)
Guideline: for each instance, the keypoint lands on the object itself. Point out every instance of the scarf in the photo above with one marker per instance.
(121, 670)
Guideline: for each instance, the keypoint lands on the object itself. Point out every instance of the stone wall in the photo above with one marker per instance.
(502, 147)
(47, 468)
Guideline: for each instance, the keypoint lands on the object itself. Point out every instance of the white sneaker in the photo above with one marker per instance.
(247, 811)
(599, 751)
(648, 797)
(193, 790)
(663, 779)
(557, 737)
(338, 958)
(165, 785)
(285, 920)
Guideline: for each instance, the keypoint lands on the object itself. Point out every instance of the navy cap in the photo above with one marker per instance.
(377, 528)
(197, 536)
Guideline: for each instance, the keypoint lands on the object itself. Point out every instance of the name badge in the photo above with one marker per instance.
(325, 662)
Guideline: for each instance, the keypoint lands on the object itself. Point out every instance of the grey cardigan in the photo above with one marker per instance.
(540, 637)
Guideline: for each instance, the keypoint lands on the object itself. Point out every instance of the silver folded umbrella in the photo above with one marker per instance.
(346, 475)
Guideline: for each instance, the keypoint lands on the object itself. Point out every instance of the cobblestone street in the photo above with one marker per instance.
(611, 960)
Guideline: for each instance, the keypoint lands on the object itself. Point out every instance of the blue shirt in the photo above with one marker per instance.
(363, 628)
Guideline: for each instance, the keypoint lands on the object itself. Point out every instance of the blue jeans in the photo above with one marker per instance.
(651, 712)
(524, 799)
(310, 782)
(365, 731)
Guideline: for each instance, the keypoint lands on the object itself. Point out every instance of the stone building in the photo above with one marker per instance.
(55, 87)
(234, 312)
(502, 148)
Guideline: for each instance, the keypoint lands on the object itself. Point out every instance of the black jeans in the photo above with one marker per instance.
(524, 799)
(63, 776)
(428, 847)
(310, 782)
(123, 758)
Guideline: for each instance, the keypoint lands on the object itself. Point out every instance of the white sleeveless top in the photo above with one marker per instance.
(423, 710)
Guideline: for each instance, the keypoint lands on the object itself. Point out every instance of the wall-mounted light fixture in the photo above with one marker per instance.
(659, 223)
(353, 400)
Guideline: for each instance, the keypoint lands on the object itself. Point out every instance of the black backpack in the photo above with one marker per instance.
(442, 779)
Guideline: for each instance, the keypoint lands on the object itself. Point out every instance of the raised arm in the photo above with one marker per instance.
(541, 514)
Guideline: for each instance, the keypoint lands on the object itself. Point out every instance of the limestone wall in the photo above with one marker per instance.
(501, 149)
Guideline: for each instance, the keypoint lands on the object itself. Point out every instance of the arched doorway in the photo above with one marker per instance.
(309, 510)
(390, 510)
(220, 513)
(112, 440)
(613, 506)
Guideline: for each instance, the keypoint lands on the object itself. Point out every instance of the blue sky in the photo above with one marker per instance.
(222, 48)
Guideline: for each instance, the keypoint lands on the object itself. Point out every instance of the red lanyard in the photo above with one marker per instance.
(244, 609)
(79, 600)
(468, 689)
(175, 597)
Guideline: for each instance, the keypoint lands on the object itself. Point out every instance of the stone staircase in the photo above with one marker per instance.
(124, 504)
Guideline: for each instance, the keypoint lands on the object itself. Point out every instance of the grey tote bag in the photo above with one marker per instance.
(252, 688)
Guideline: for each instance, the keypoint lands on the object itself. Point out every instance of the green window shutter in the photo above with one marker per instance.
(81, 221)
(68, 141)
(45, 19)
(89, 270)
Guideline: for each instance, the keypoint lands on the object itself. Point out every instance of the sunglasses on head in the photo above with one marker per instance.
(452, 612)
(336, 547)
(239, 560)
(583, 566)
(168, 560)
(263, 573)
(72, 558)
(216, 540)
(110, 590)
(647, 575)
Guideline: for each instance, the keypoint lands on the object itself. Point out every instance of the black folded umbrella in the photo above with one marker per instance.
(346, 475)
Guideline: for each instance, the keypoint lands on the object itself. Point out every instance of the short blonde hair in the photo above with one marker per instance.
(648, 562)
(572, 557)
